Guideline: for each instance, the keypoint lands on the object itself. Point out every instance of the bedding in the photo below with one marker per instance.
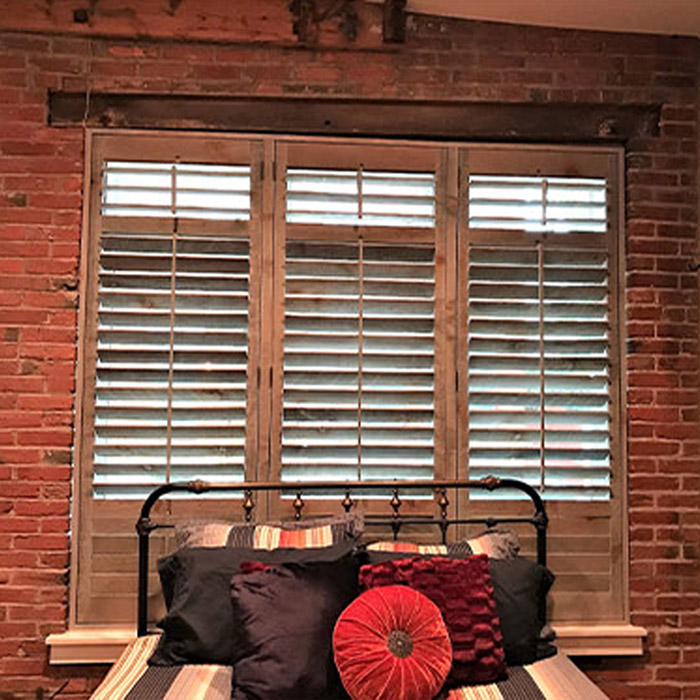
(235, 613)
(131, 678)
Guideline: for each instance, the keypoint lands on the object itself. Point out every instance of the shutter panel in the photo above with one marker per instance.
(539, 403)
(538, 346)
(172, 330)
(168, 380)
(358, 361)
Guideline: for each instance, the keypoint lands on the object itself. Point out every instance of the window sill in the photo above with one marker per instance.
(615, 639)
(102, 645)
(89, 645)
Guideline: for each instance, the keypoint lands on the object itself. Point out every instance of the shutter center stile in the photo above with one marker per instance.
(360, 346)
(542, 365)
(171, 322)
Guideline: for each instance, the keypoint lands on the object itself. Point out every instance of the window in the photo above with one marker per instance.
(264, 308)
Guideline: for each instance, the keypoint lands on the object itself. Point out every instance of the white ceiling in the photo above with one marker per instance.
(648, 16)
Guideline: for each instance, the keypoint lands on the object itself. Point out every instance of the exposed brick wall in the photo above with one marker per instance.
(41, 177)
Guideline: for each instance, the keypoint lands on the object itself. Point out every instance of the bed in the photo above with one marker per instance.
(150, 669)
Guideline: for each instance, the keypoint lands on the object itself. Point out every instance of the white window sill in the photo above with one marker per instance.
(102, 645)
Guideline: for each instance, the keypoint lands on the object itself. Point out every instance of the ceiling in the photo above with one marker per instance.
(647, 16)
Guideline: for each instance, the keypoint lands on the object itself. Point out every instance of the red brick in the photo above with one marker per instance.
(485, 61)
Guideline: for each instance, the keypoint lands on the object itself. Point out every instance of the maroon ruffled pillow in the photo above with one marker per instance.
(463, 592)
(391, 643)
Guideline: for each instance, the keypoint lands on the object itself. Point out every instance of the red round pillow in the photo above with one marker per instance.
(391, 643)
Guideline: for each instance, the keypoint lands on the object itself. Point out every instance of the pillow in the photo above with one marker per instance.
(520, 588)
(213, 533)
(286, 616)
(199, 625)
(391, 643)
(462, 590)
(497, 543)
(406, 547)
(315, 532)
(379, 552)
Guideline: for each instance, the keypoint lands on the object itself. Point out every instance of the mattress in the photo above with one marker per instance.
(131, 678)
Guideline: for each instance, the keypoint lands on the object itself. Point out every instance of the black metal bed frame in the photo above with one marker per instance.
(395, 520)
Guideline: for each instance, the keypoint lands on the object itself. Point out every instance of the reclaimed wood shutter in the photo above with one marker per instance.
(174, 230)
(540, 394)
(360, 287)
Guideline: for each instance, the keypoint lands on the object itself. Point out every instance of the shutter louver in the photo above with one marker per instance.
(170, 395)
(555, 204)
(360, 198)
(539, 399)
(186, 190)
(358, 361)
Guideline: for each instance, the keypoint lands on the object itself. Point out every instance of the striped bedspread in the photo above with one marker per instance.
(131, 678)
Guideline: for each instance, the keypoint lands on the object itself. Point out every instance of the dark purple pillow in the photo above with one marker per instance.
(463, 592)
(286, 615)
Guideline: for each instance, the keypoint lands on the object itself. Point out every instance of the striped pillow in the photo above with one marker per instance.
(407, 547)
(213, 533)
(269, 537)
(500, 543)
(297, 534)
(495, 543)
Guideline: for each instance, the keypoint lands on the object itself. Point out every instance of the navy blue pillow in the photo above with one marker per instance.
(520, 588)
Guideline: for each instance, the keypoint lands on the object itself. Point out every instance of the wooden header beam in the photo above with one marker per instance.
(551, 123)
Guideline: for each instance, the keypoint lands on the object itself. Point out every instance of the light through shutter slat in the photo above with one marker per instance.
(171, 372)
(358, 361)
(360, 198)
(168, 190)
(539, 386)
(533, 203)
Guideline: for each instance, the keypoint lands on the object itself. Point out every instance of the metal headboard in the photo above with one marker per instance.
(395, 520)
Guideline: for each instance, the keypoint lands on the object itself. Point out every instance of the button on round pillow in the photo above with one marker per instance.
(391, 644)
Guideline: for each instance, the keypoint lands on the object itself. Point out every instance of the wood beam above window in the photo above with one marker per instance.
(562, 123)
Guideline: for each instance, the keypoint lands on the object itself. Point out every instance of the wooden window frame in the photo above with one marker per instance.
(264, 369)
